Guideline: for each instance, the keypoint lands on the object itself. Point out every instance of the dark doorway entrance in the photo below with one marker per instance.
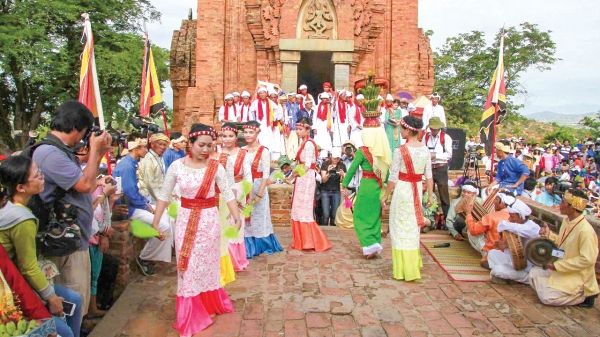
(315, 68)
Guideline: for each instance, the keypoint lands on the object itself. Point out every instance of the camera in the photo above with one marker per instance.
(117, 138)
(144, 124)
(333, 172)
(348, 150)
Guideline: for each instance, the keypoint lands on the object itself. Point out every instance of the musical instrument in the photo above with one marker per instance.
(479, 210)
(515, 246)
(539, 252)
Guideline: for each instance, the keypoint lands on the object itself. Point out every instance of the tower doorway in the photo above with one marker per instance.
(314, 69)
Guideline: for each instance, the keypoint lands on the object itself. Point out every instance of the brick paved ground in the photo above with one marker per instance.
(339, 293)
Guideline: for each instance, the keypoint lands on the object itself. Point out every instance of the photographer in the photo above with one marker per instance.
(71, 124)
(548, 196)
(348, 152)
(332, 172)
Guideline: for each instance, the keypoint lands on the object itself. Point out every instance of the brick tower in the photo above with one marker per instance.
(234, 43)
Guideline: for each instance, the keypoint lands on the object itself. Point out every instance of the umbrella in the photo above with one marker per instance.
(404, 94)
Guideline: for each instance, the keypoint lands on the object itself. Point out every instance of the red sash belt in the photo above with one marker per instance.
(411, 178)
(199, 203)
(257, 175)
(238, 178)
(312, 167)
(369, 175)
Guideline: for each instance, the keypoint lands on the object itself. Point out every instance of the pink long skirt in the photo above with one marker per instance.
(193, 313)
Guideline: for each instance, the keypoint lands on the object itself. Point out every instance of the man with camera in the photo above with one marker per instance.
(348, 151)
(440, 149)
(332, 173)
(72, 123)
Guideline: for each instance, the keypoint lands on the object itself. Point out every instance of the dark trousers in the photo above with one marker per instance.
(459, 224)
(330, 201)
(440, 178)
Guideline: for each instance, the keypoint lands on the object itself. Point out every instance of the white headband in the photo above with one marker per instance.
(469, 188)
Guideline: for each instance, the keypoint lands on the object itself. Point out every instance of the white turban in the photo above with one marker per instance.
(348, 93)
(245, 94)
(236, 93)
(360, 96)
(262, 89)
(229, 96)
(303, 87)
(506, 199)
(389, 97)
(324, 95)
(519, 207)
(299, 96)
(272, 92)
(470, 188)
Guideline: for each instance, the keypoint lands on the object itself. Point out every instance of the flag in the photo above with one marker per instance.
(494, 111)
(89, 92)
(151, 101)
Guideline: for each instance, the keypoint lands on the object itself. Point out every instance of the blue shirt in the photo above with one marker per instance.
(293, 109)
(510, 171)
(126, 169)
(170, 156)
(547, 199)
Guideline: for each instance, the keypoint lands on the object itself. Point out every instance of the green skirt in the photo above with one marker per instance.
(367, 213)
(407, 264)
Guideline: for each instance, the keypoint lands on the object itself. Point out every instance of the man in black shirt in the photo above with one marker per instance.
(332, 172)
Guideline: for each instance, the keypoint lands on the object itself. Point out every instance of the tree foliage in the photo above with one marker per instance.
(464, 66)
(40, 51)
(593, 124)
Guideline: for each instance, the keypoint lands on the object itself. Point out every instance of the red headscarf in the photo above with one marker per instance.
(341, 109)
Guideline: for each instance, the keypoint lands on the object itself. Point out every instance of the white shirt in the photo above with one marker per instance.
(433, 111)
(233, 113)
(244, 112)
(443, 155)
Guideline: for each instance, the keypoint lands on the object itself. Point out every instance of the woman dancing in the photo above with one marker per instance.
(411, 161)
(305, 231)
(258, 234)
(374, 158)
(198, 232)
(241, 171)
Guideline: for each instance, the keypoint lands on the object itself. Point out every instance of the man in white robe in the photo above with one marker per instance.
(305, 95)
(277, 141)
(244, 108)
(236, 98)
(387, 106)
(433, 110)
(260, 111)
(323, 125)
(500, 260)
(340, 122)
(327, 89)
(228, 111)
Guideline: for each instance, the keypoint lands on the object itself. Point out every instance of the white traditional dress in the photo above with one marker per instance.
(433, 111)
(356, 122)
(406, 214)
(258, 234)
(340, 125)
(323, 124)
(227, 271)
(244, 112)
(266, 113)
(197, 241)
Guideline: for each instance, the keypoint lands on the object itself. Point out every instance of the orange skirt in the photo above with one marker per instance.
(308, 235)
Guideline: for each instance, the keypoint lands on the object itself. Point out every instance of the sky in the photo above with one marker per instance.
(570, 87)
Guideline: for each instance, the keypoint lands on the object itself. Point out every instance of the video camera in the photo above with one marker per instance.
(143, 124)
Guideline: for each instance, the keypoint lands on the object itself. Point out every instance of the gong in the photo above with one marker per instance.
(539, 251)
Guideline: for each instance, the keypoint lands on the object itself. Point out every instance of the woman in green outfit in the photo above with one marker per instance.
(374, 158)
(392, 125)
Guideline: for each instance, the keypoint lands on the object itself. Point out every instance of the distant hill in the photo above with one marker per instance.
(570, 109)
(560, 119)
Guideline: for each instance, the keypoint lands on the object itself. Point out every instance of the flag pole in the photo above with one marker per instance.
(499, 74)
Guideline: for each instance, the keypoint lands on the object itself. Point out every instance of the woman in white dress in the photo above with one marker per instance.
(411, 162)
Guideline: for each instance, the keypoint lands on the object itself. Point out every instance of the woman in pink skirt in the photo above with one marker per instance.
(198, 232)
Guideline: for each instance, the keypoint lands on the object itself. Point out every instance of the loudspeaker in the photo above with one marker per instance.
(459, 138)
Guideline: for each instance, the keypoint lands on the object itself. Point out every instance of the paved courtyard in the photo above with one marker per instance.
(339, 293)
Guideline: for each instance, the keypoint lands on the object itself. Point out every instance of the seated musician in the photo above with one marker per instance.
(570, 280)
(500, 259)
(488, 224)
(455, 222)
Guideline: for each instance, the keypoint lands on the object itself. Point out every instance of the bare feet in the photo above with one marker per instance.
(95, 313)
(371, 256)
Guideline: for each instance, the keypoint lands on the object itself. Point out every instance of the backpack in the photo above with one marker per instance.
(442, 139)
(58, 233)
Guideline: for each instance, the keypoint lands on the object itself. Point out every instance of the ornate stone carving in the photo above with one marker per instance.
(271, 14)
(362, 15)
(318, 19)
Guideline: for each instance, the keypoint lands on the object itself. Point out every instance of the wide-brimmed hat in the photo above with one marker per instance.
(349, 142)
(283, 160)
(435, 123)
(502, 147)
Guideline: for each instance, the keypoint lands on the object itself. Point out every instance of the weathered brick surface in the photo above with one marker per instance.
(232, 43)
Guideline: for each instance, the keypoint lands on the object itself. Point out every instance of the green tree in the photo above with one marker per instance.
(593, 124)
(40, 51)
(464, 66)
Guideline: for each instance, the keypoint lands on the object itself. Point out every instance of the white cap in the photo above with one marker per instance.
(348, 93)
(272, 92)
(379, 97)
(303, 87)
(245, 94)
(229, 96)
(299, 96)
(262, 89)
(360, 96)
(236, 93)
(291, 94)
(506, 199)
(576, 149)
(336, 152)
(389, 97)
(324, 95)
(469, 188)
(309, 100)
(519, 207)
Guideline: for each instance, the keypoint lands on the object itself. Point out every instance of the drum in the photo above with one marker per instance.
(515, 246)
